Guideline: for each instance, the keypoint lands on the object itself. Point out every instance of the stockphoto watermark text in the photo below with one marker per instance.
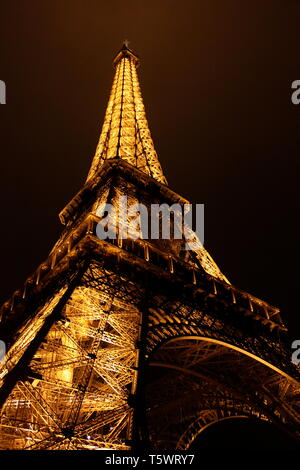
(157, 221)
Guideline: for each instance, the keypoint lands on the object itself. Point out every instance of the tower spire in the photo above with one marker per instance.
(125, 133)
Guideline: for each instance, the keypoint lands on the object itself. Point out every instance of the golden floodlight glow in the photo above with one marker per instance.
(125, 132)
(97, 314)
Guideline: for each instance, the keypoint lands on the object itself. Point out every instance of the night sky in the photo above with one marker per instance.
(216, 80)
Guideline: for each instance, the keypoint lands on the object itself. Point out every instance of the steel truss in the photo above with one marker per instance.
(135, 343)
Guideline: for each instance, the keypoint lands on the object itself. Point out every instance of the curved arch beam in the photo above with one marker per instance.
(203, 428)
(233, 347)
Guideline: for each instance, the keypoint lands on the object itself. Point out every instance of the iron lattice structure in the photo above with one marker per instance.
(127, 343)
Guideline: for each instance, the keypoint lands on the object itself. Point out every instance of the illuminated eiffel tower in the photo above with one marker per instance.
(135, 343)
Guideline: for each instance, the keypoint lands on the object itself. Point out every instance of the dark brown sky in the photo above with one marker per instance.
(216, 79)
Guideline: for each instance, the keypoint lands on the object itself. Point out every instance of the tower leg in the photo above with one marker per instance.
(139, 439)
(18, 371)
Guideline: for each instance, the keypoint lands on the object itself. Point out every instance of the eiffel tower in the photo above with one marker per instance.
(135, 343)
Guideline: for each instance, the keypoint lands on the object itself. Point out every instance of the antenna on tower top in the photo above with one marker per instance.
(126, 52)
